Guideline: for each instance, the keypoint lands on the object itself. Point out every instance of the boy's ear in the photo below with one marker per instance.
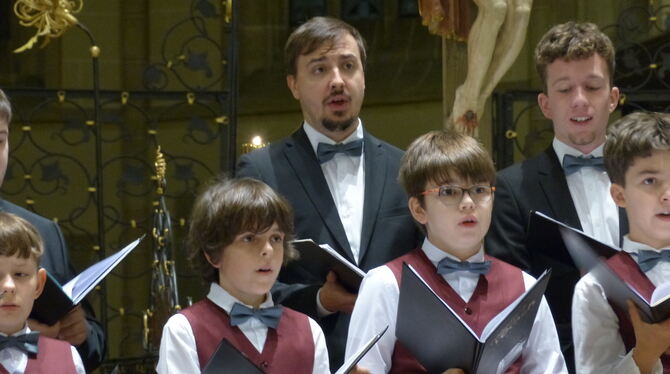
(41, 281)
(616, 190)
(418, 211)
(209, 259)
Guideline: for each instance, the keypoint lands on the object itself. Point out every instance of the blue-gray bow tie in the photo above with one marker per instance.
(648, 259)
(26, 342)
(447, 266)
(325, 152)
(572, 164)
(268, 316)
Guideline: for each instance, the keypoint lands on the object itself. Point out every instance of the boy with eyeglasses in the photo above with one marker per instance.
(449, 178)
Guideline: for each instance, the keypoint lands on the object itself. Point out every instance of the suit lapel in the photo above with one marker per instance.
(555, 187)
(375, 180)
(302, 159)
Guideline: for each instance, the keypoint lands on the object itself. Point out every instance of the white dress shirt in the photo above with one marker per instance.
(590, 191)
(377, 305)
(15, 360)
(599, 347)
(345, 176)
(178, 352)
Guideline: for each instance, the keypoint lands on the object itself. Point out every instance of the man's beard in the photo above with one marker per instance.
(337, 125)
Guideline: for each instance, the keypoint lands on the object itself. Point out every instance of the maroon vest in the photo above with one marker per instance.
(628, 270)
(290, 343)
(54, 356)
(494, 291)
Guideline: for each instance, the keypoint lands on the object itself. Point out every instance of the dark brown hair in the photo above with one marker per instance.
(631, 137)
(227, 208)
(5, 107)
(313, 34)
(573, 41)
(441, 156)
(19, 238)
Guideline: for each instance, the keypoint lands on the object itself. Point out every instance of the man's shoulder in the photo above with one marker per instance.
(529, 166)
(34, 218)
(389, 150)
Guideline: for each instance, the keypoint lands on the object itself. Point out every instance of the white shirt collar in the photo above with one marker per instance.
(634, 247)
(435, 254)
(563, 149)
(225, 300)
(316, 137)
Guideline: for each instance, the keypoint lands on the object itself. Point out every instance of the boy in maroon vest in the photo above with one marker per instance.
(449, 178)
(609, 339)
(21, 282)
(238, 239)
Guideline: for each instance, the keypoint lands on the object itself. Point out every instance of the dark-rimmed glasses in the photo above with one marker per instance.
(452, 195)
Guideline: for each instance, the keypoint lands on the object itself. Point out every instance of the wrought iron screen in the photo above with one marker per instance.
(96, 178)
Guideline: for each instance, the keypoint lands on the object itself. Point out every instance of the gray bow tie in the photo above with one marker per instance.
(572, 164)
(325, 152)
(268, 316)
(26, 342)
(648, 259)
(447, 266)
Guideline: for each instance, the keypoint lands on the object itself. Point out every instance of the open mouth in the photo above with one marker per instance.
(469, 221)
(337, 101)
(265, 270)
(664, 215)
(581, 119)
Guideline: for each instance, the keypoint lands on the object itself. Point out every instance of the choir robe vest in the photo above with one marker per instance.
(628, 270)
(53, 356)
(494, 291)
(288, 349)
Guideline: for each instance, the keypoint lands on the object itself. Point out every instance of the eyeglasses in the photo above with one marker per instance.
(452, 195)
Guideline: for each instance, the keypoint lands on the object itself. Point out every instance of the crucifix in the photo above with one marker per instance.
(494, 41)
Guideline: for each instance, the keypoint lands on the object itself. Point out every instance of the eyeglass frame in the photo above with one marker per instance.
(463, 191)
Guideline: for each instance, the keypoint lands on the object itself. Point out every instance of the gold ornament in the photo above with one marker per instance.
(51, 18)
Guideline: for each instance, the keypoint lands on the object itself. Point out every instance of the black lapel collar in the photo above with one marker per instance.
(375, 181)
(301, 157)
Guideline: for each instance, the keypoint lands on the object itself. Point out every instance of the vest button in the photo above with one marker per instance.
(467, 310)
(265, 364)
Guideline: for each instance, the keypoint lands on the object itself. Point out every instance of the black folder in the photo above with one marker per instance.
(229, 360)
(616, 289)
(56, 300)
(543, 232)
(441, 340)
(350, 363)
(320, 259)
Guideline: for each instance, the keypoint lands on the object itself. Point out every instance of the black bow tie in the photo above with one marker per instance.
(268, 316)
(572, 164)
(648, 259)
(26, 342)
(447, 266)
(325, 152)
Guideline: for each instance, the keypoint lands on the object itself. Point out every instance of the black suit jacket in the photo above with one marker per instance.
(291, 168)
(538, 184)
(56, 261)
